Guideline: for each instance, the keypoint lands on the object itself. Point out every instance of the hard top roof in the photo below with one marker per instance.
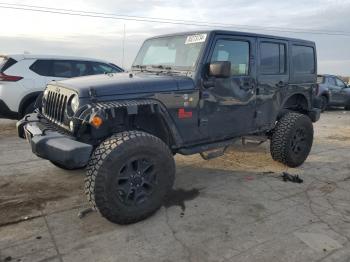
(238, 33)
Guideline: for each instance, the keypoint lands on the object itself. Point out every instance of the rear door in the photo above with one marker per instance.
(341, 95)
(228, 106)
(273, 79)
(332, 87)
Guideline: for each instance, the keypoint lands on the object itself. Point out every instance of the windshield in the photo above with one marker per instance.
(172, 52)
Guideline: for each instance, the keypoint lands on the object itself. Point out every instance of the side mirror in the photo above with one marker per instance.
(220, 69)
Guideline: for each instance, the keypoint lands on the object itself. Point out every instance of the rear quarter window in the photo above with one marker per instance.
(41, 67)
(303, 59)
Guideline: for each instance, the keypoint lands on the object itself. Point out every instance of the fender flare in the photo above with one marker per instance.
(108, 110)
(283, 108)
(308, 101)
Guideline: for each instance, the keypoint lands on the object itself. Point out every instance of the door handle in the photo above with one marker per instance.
(281, 84)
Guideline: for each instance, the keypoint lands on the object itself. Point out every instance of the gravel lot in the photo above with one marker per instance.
(233, 208)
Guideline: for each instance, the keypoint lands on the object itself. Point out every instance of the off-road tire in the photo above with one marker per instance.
(324, 103)
(285, 146)
(105, 169)
(347, 108)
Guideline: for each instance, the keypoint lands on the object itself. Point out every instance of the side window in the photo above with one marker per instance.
(81, 69)
(331, 81)
(340, 83)
(320, 79)
(303, 59)
(237, 52)
(62, 68)
(101, 68)
(41, 67)
(272, 58)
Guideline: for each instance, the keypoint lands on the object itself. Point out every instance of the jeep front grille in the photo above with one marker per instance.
(55, 106)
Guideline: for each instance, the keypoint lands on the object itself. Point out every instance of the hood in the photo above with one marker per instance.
(126, 83)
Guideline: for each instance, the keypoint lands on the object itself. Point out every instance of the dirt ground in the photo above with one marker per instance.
(232, 208)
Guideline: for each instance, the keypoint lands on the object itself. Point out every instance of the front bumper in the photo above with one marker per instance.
(49, 144)
(5, 111)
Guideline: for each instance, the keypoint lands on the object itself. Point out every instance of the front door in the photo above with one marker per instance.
(228, 104)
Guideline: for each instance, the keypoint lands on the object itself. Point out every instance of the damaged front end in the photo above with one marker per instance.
(66, 133)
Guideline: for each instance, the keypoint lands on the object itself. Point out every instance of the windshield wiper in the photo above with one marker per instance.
(141, 67)
(138, 66)
(162, 67)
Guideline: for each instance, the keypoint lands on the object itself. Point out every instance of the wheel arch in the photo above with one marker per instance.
(297, 103)
(325, 94)
(26, 100)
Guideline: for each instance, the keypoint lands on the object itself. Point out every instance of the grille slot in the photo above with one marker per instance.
(55, 106)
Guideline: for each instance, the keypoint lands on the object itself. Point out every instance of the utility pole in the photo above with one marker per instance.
(123, 56)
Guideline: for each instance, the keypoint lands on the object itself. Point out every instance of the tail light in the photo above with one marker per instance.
(8, 78)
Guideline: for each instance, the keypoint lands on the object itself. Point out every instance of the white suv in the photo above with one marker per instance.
(24, 77)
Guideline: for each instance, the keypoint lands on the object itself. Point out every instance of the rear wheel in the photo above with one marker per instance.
(129, 175)
(292, 139)
(347, 107)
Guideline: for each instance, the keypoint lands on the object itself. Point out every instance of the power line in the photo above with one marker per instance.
(172, 20)
(157, 19)
(161, 20)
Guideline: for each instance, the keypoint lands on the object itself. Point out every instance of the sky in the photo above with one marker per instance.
(44, 33)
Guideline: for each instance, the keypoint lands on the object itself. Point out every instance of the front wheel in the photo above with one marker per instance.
(129, 175)
(292, 139)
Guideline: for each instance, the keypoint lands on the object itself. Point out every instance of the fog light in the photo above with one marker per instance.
(71, 125)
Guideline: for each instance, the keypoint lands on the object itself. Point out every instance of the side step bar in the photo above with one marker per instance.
(207, 147)
(218, 148)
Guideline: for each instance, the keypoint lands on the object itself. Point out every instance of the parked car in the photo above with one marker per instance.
(332, 91)
(187, 93)
(24, 77)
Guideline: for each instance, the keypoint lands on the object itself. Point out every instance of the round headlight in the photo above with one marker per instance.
(74, 103)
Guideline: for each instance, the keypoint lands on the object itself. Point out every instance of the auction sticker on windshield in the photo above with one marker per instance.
(192, 39)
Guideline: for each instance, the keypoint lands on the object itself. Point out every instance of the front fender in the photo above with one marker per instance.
(109, 111)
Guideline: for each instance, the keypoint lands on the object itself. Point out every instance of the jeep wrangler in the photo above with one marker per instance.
(186, 93)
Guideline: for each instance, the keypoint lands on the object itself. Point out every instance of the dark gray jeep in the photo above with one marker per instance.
(186, 93)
